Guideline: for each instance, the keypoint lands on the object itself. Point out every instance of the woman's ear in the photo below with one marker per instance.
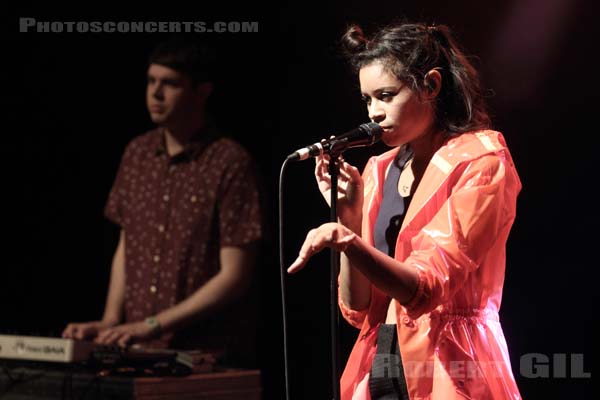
(432, 83)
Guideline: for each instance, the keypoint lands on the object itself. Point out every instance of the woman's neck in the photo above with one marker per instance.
(423, 149)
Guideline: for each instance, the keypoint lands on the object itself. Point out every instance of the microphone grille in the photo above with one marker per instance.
(373, 129)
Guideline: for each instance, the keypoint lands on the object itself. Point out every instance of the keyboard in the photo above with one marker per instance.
(39, 348)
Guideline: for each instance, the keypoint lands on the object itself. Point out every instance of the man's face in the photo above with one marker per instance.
(170, 95)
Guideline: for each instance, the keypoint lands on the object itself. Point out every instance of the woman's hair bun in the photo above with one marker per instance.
(354, 40)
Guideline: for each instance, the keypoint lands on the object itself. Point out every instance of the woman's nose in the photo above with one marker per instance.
(376, 113)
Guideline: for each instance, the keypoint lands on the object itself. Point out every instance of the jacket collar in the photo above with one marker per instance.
(454, 152)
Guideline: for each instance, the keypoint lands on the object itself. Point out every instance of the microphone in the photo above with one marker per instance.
(365, 135)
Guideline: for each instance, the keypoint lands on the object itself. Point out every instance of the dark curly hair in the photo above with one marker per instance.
(409, 51)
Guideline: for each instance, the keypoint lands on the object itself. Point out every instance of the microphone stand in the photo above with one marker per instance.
(334, 169)
(365, 135)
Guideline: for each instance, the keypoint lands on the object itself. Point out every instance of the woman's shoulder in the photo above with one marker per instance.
(480, 140)
(472, 145)
(480, 150)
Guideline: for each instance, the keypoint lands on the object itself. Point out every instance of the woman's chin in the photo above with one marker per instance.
(391, 139)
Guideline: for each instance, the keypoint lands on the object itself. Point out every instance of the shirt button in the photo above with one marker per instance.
(153, 289)
(161, 228)
(156, 258)
(166, 197)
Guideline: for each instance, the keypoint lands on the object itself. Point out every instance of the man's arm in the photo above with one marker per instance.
(113, 310)
(230, 283)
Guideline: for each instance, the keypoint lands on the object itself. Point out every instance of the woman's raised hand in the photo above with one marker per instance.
(350, 190)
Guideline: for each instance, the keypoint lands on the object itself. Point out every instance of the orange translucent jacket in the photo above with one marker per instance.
(454, 235)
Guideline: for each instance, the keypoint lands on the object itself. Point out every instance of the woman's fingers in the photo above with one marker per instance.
(323, 176)
(352, 173)
(328, 235)
(306, 251)
(347, 172)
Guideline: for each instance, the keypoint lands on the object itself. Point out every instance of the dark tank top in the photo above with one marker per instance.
(387, 381)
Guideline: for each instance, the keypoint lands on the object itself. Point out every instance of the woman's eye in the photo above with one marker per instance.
(366, 99)
(385, 96)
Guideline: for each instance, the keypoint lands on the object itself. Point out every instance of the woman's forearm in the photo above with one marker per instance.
(392, 277)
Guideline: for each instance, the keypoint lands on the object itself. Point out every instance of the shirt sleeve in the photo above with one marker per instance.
(116, 206)
(481, 204)
(240, 218)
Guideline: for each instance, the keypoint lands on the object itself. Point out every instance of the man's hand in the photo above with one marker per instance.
(85, 330)
(125, 334)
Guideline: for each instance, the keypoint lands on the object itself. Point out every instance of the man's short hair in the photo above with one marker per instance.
(195, 59)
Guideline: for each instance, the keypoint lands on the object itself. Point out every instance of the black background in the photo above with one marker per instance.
(71, 102)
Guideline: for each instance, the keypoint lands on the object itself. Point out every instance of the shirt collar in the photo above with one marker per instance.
(193, 148)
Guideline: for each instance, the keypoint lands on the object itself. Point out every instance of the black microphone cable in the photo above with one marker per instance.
(282, 281)
(365, 135)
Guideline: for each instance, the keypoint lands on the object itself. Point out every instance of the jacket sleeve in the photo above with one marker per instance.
(480, 204)
(354, 317)
(357, 317)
